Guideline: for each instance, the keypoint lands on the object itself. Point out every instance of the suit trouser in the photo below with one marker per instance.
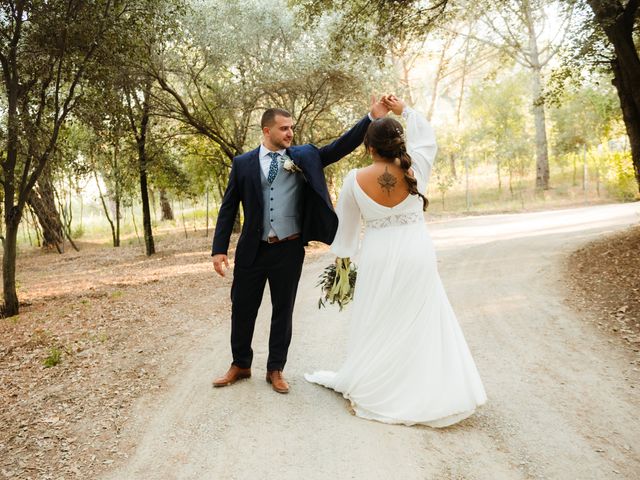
(280, 264)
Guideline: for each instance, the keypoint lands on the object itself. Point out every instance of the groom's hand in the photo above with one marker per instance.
(394, 104)
(378, 107)
(219, 260)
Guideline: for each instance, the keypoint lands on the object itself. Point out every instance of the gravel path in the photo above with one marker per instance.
(563, 399)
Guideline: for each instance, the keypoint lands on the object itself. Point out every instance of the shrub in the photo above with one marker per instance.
(78, 232)
(619, 176)
(54, 357)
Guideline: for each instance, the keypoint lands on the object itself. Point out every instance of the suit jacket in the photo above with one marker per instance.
(319, 221)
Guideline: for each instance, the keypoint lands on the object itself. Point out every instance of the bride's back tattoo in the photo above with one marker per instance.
(387, 181)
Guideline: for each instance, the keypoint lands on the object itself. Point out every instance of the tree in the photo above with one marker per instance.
(499, 116)
(583, 117)
(217, 82)
(43, 204)
(515, 27)
(103, 146)
(139, 114)
(370, 26)
(619, 22)
(48, 50)
(124, 93)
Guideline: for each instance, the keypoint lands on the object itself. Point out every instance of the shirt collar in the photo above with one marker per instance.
(264, 151)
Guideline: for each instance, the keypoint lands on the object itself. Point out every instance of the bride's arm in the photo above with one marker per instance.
(345, 243)
(420, 139)
(421, 144)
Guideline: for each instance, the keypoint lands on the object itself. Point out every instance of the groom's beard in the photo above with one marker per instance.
(284, 144)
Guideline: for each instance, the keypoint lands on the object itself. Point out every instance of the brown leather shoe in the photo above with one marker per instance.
(234, 374)
(277, 381)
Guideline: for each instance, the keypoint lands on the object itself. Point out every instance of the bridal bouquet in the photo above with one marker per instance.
(338, 282)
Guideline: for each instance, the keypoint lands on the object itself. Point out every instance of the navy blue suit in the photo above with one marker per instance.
(257, 262)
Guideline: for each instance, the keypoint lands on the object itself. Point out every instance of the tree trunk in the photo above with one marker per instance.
(618, 24)
(135, 225)
(511, 181)
(67, 218)
(12, 213)
(116, 238)
(105, 208)
(117, 197)
(144, 191)
(452, 164)
(184, 222)
(1, 203)
(542, 151)
(167, 212)
(42, 201)
(146, 211)
(463, 80)
(11, 305)
(442, 65)
(629, 104)
(141, 142)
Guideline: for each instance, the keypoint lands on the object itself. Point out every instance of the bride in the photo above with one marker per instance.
(407, 359)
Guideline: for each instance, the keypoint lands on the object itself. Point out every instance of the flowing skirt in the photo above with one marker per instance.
(407, 359)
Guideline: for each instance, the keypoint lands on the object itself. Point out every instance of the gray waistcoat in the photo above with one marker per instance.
(282, 199)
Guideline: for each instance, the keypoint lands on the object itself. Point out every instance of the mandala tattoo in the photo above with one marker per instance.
(387, 181)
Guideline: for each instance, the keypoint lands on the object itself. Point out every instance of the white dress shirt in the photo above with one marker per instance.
(265, 159)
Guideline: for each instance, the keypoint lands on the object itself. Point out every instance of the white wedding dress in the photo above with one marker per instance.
(407, 360)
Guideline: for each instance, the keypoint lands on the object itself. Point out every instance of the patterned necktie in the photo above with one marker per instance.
(273, 167)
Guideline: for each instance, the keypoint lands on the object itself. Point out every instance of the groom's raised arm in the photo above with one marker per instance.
(346, 144)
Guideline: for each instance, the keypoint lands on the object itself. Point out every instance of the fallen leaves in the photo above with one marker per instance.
(605, 280)
(116, 319)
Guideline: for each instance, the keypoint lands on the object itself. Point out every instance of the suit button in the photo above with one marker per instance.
(272, 219)
(272, 199)
(271, 188)
(271, 209)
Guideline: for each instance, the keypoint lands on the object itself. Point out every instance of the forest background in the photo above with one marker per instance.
(120, 118)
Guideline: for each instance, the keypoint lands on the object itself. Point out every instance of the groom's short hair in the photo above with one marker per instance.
(269, 116)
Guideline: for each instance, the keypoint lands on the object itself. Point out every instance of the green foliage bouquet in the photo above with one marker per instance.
(338, 282)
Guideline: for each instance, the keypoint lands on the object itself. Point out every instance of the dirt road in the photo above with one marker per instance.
(563, 397)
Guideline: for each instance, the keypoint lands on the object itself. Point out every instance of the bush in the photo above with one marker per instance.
(77, 232)
(54, 357)
(619, 177)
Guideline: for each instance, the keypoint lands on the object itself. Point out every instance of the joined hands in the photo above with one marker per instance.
(394, 104)
(386, 103)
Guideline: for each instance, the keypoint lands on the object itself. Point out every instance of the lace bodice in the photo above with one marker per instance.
(395, 220)
(354, 205)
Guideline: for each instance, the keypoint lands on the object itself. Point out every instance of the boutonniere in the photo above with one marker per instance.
(289, 165)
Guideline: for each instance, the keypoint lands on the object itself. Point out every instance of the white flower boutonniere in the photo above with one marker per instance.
(289, 164)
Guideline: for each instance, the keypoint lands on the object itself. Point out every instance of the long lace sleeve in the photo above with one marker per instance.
(345, 244)
(421, 145)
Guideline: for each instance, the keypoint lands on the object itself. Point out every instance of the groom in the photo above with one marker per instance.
(286, 204)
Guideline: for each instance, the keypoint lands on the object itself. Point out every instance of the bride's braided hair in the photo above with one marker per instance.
(386, 136)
